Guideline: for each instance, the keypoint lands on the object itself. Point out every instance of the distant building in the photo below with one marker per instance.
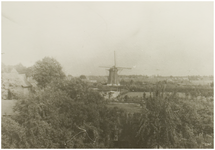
(93, 81)
(186, 84)
(110, 94)
(89, 81)
(14, 84)
(185, 78)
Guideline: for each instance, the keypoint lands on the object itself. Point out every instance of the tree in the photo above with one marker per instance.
(83, 77)
(122, 82)
(158, 124)
(13, 134)
(168, 122)
(29, 71)
(47, 70)
(212, 84)
(74, 87)
(40, 115)
(131, 82)
(58, 117)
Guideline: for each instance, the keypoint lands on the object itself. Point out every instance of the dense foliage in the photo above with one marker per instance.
(66, 113)
(62, 117)
(46, 71)
(171, 122)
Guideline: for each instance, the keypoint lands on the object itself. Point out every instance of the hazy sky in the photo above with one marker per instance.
(165, 38)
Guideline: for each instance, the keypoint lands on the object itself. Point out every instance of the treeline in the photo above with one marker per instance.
(192, 90)
(152, 79)
(64, 113)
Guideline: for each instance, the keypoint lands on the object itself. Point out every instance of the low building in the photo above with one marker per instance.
(92, 81)
(14, 84)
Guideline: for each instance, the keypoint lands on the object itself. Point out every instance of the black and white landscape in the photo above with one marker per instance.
(107, 74)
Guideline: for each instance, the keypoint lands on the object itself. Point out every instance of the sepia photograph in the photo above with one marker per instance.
(107, 74)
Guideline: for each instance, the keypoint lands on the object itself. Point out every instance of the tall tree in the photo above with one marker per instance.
(47, 70)
(83, 77)
(167, 122)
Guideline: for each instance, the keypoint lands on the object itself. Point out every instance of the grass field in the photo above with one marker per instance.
(129, 107)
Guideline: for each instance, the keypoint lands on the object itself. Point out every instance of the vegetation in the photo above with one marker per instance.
(66, 113)
(46, 71)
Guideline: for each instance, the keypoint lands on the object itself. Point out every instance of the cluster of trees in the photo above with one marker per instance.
(172, 122)
(170, 87)
(176, 122)
(200, 77)
(64, 113)
(61, 113)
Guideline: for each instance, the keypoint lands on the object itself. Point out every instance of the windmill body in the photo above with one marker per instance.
(113, 74)
(113, 77)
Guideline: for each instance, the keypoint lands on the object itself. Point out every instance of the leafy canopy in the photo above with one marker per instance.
(47, 70)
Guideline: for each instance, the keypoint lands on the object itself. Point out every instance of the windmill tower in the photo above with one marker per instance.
(113, 73)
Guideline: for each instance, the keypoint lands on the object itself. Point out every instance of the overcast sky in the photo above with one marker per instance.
(165, 38)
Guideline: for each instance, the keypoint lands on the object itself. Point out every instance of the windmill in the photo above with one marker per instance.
(113, 73)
